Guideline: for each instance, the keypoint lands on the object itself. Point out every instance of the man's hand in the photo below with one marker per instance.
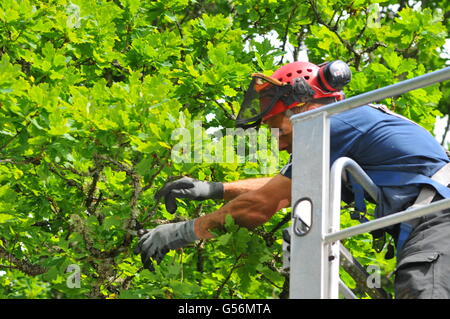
(155, 243)
(190, 188)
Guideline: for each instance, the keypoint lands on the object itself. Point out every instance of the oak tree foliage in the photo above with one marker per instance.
(91, 92)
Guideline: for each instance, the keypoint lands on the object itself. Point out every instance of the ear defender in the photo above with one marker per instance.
(301, 90)
(333, 76)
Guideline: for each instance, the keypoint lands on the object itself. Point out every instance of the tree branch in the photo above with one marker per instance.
(136, 186)
(286, 30)
(23, 265)
(92, 205)
(347, 44)
(70, 182)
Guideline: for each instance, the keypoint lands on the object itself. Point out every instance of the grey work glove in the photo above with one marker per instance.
(190, 188)
(156, 242)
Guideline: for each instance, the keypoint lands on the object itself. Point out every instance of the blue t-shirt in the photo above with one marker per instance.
(397, 154)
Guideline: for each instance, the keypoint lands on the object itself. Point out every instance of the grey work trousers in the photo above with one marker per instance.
(423, 265)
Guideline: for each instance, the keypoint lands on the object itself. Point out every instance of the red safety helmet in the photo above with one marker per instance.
(292, 85)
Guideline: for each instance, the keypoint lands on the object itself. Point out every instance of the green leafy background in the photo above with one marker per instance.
(91, 92)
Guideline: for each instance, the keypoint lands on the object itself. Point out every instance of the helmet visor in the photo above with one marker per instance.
(259, 99)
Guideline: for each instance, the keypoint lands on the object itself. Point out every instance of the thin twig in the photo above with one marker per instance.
(222, 285)
(444, 137)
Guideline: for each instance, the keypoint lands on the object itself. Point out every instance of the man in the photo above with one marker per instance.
(401, 157)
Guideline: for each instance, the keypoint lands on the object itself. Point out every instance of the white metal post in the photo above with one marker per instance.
(314, 263)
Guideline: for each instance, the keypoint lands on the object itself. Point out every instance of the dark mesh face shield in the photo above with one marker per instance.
(262, 95)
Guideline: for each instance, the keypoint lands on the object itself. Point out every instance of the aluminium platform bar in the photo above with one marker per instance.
(388, 220)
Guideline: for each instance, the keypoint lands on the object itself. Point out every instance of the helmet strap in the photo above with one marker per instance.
(295, 110)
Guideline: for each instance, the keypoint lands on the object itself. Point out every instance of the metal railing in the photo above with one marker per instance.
(314, 265)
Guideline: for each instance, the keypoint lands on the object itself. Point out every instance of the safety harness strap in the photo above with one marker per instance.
(425, 197)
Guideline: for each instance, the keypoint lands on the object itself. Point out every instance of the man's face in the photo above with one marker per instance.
(282, 122)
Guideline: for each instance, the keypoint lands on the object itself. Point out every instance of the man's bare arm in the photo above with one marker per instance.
(250, 209)
(234, 189)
